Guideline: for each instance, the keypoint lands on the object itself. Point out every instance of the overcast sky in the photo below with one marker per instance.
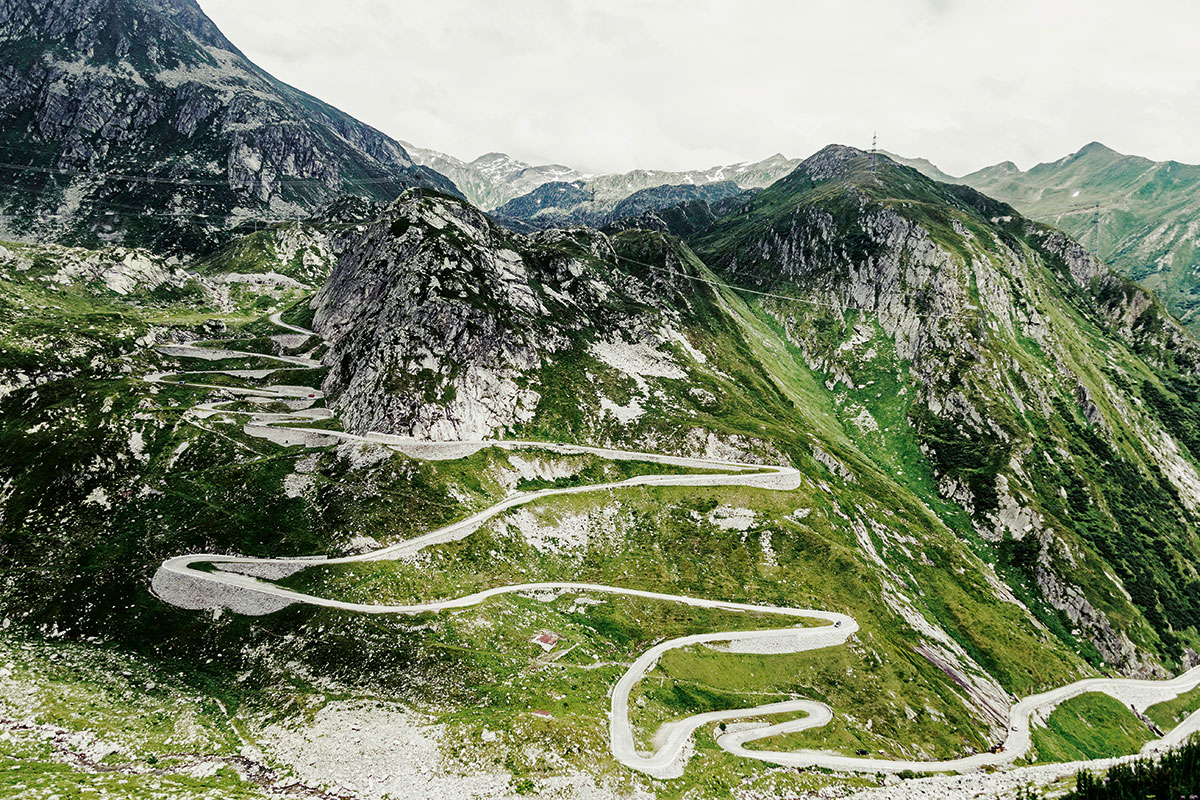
(612, 85)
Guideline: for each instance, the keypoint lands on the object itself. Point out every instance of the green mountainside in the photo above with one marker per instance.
(233, 320)
(994, 434)
(1047, 392)
(1138, 215)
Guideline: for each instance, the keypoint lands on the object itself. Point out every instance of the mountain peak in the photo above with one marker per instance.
(831, 161)
(494, 159)
(994, 172)
(158, 34)
(1096, 149)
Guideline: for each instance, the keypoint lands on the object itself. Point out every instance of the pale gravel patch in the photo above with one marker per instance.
(364, 544)
(768, 551)
(363, 455)
(379, 753)
(730, 518)
(638, 360)
(569, 532)
(137, 446)
(863, 420)
(98, 497)
(976, 785)
(624, 414)
(295, 485)
(685, 344)
(532, 468)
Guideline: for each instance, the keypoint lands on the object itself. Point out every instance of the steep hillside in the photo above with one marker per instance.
(661, 197)
(137, 121)
(1045, 399)
(441, 325)
(301, 253)
(1138, 215)
(1051, 397)
(979, 564)
(551, 205)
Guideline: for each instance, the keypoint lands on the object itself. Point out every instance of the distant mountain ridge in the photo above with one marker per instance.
(137, 121)
(494, 179)
(1137, 214)
(559, 204)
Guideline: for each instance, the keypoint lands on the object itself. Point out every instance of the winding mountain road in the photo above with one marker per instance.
(243, 585)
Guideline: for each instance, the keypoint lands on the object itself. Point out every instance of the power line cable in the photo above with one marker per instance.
(772, 295)
(155, 179)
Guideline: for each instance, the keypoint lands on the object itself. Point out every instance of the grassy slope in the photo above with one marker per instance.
(1090, 726)
(225, 491)
(1146, 209)
(784, 403)
(1170, 713)
(1119, 512)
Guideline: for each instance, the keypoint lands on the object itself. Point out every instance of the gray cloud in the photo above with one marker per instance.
(619, 84)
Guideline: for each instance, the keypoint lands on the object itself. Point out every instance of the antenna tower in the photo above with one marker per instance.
(874, 150)
(1096, 230)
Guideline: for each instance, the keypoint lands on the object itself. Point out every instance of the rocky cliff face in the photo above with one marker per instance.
(1036, 381)
(138, 121)
(440, 322)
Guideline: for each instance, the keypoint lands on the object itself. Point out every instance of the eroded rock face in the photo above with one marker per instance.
(413, 347)
(437, 318)
(132, 88)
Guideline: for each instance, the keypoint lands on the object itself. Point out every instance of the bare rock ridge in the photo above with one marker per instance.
(439, 321)
(558, 204)
(494, 179)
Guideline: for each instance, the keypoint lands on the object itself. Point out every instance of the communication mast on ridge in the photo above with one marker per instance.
(874, 150)
(1096, 230)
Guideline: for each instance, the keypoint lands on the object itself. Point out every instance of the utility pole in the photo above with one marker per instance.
(1096, 231)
